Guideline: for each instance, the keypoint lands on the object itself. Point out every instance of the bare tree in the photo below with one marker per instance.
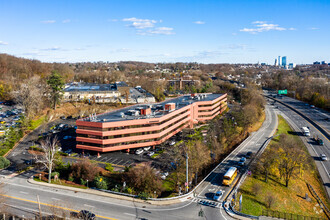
(270, 200)
(30, 95)
(48, 158)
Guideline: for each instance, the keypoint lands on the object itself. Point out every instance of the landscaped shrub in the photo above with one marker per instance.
(4, 162)
(101, 182)
(109, 167)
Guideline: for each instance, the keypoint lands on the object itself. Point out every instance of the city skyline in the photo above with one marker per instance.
(171, 31)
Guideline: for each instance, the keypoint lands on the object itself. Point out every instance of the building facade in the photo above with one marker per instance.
(146, 125)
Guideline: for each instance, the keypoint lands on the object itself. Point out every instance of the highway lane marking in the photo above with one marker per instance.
(129, 214)
(56, 199)
(244, 145)
(306, 140)
(23, 192)
(89, 206)
(49, 205)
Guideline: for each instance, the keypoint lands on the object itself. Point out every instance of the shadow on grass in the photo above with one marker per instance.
(243, 191)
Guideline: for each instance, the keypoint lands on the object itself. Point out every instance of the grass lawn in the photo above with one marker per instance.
(62, 183)
(37, 122)
(287, 199)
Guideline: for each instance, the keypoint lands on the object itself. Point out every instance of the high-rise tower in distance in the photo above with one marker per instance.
(284, 61)
(276, 64)
(279, 61)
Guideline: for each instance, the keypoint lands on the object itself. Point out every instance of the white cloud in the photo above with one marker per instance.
(262, 26)
(292, 29)
(313, 28)
(3, 43)
(199, 22)
(112, 20)
(48, 22)
(162, 30)
(121, 50)
(52, 48)
(140, 23)
(66, 21)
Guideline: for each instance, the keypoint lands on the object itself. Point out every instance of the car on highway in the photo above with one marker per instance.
(320, 141)
(139, 151)
(324, 157)
(241, 162)
(248, 155)
(217, 196)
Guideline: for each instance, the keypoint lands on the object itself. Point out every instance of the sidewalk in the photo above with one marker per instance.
(110, 195)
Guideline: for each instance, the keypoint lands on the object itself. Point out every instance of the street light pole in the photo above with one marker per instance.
(187, 186)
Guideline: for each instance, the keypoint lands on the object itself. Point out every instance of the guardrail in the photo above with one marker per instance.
(319, 200)
(320, 128)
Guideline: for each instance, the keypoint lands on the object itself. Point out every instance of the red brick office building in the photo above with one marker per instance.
(147, 125)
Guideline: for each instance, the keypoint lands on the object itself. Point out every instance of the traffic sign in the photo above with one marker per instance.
(283, 92)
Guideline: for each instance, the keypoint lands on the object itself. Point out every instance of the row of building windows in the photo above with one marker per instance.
(131, 134)
(130, 142)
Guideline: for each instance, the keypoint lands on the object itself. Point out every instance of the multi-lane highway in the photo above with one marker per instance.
(297, 122)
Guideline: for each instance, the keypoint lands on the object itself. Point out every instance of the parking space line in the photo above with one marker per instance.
(119, 162)
(114, 160)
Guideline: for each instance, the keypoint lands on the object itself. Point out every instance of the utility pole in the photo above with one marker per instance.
(187, 181)
(40, 215)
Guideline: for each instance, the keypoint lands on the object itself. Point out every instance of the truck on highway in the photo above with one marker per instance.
(305, 131)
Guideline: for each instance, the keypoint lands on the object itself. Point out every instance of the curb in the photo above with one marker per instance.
(13, 148)
(104, 194)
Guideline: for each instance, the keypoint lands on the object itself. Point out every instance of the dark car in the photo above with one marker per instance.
(320, 141)
(248, 154)
(86, 215)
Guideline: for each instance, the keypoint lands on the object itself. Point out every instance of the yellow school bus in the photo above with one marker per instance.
(229, 176)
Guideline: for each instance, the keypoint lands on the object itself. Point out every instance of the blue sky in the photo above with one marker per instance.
(201, 31)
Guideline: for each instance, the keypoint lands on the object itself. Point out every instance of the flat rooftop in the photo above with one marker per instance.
(87, 87)
(156, 109)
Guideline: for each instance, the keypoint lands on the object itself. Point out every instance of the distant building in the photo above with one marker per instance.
(106, 93)
(276, 63)
(323, 63)
(284, 61)
(292, 65)
(279, 61)
(316, 63)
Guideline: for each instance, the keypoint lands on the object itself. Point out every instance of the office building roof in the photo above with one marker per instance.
(157, 109)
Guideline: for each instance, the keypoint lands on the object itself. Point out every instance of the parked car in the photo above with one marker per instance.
(324, 157)
(151, 153)
(146, 148)
(172, 143)
(164, 175)
(67, 137)
(139, 151)
(86, 215)
(241, 162)
(217, 196)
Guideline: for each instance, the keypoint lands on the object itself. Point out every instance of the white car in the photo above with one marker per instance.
(172, 143)
(138, 151)
(324, 157)
(151, 153)
(146, 148)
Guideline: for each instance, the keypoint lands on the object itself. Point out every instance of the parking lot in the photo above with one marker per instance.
(9, 115)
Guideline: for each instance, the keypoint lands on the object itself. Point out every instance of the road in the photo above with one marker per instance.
(315, 150)
(22, 196)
